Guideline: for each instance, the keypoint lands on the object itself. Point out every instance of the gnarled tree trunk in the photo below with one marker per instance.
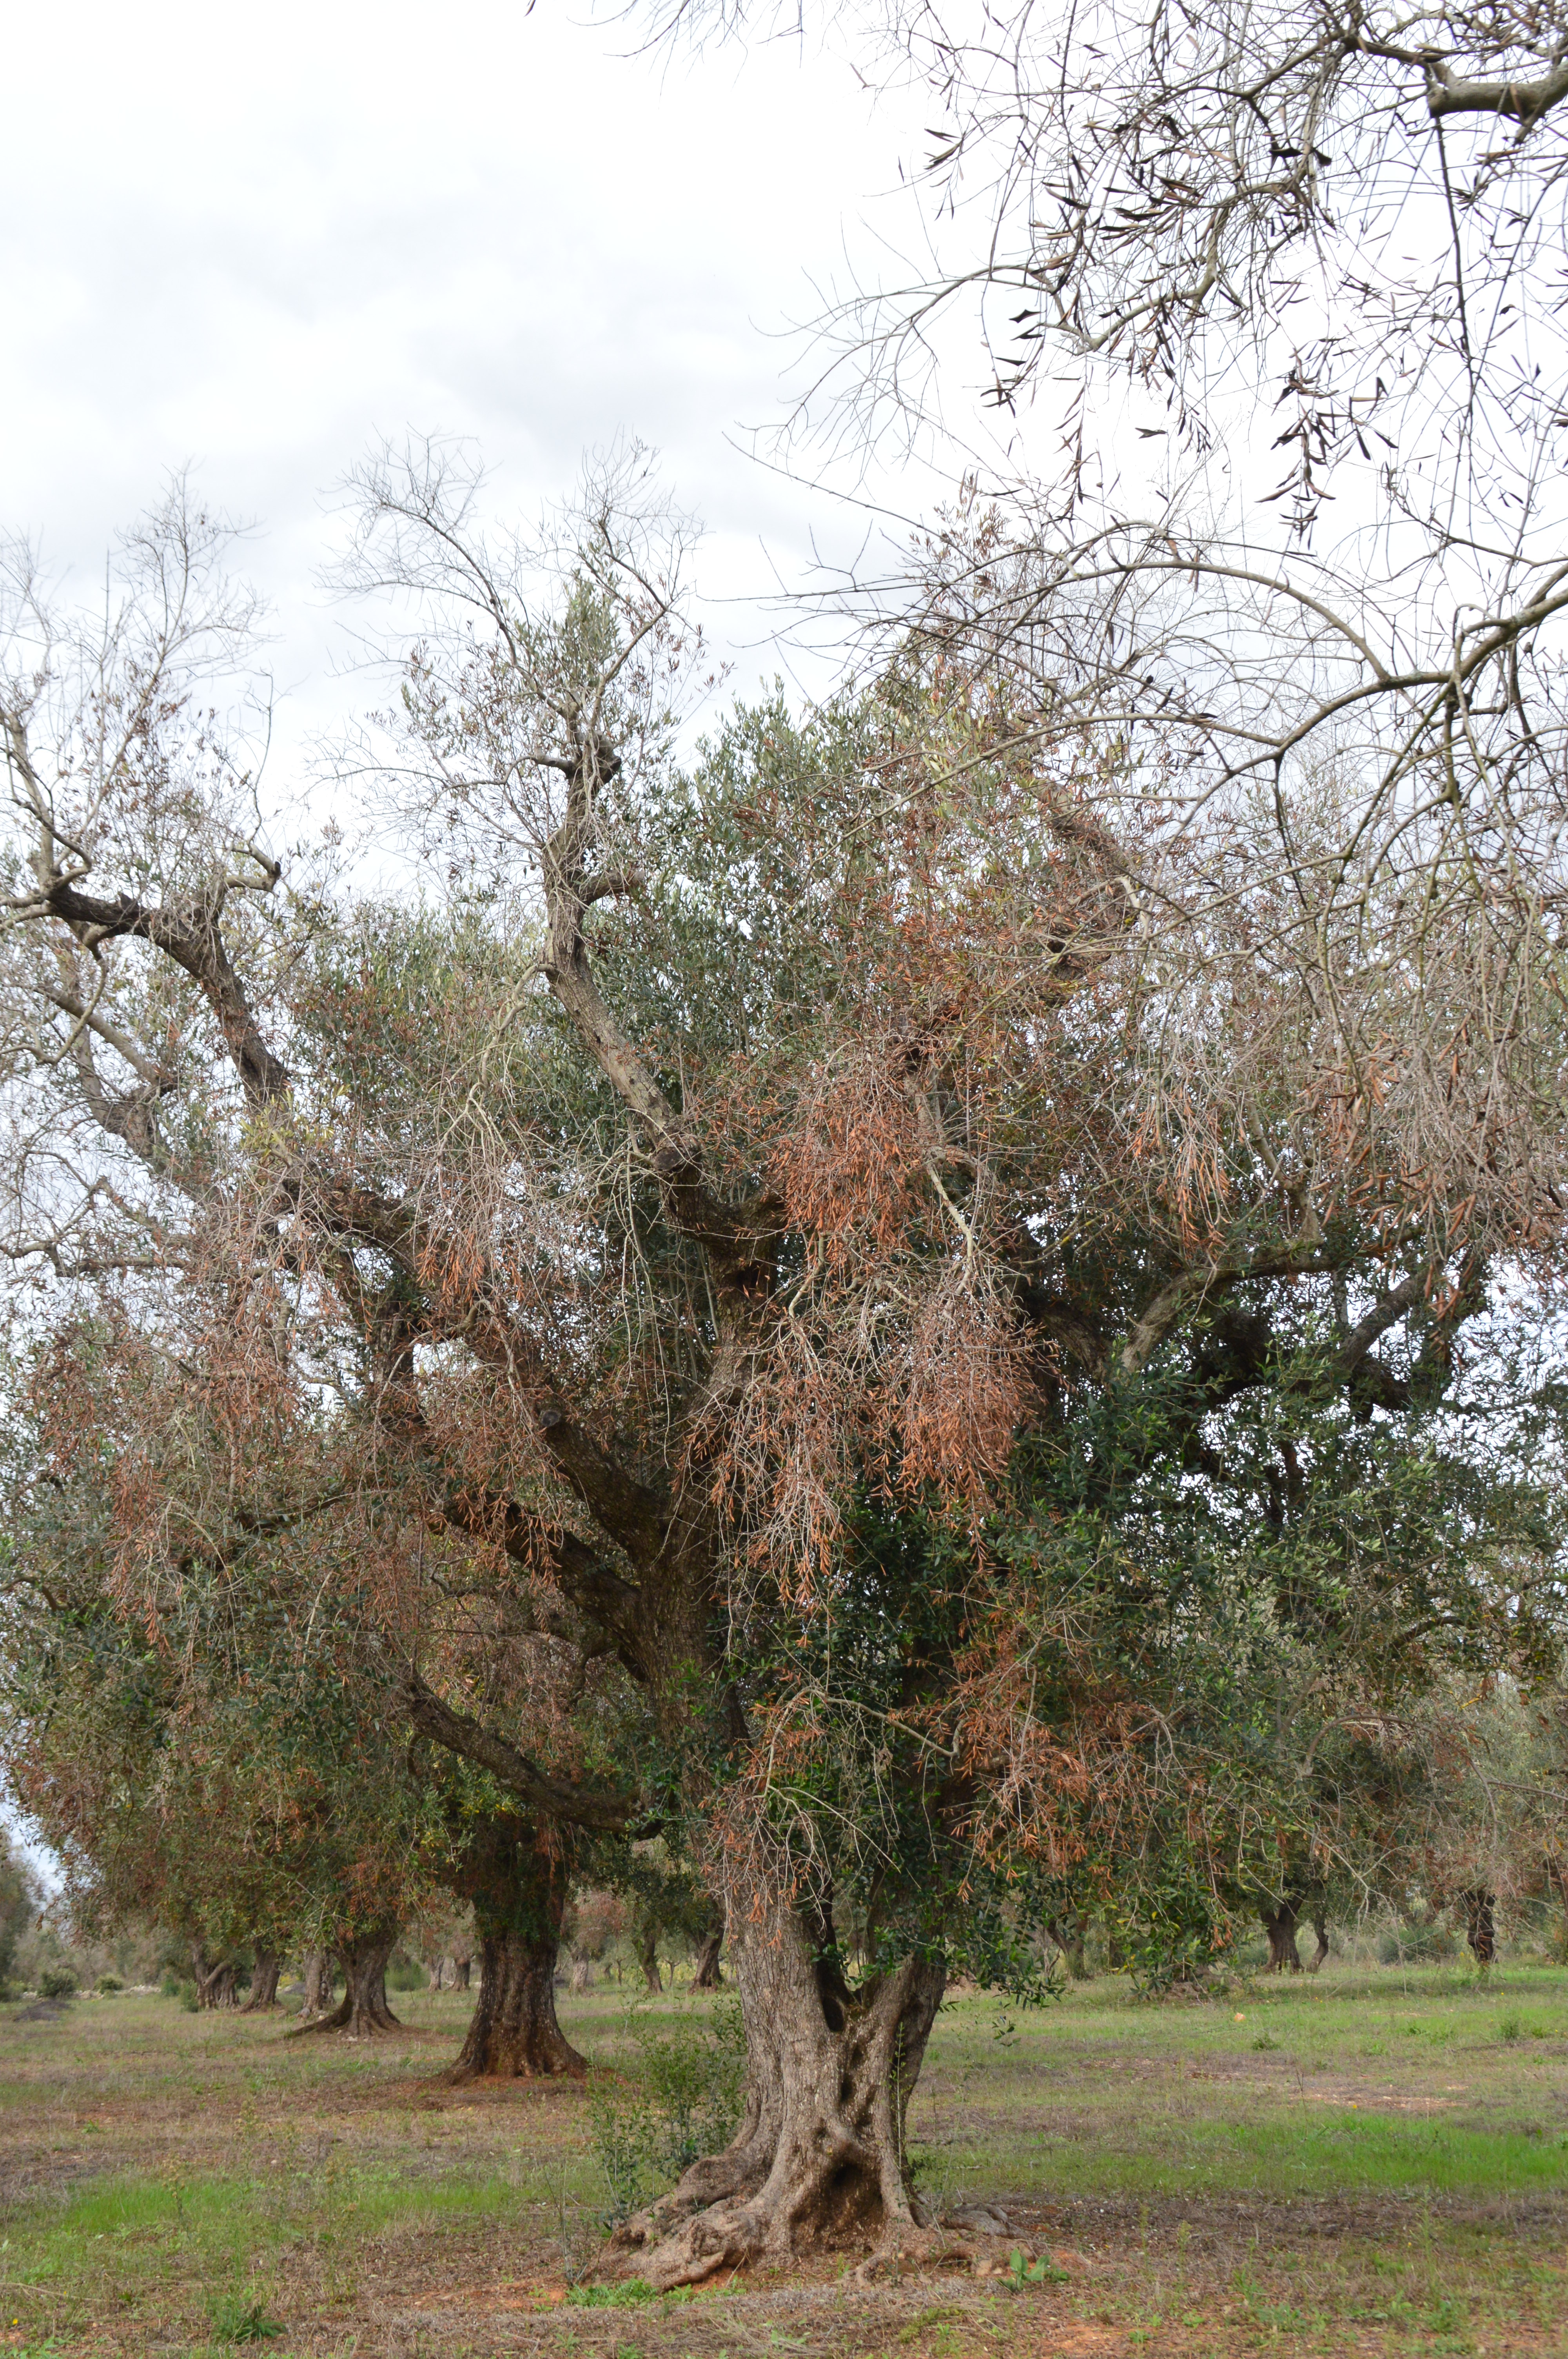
(263, 1993)
(1280, 1923)
(819, 2156)
(1480, 1923)
(463, 1973)
(648, 1957)
(519, 1895)
(362, 2010)
(215, 1985)
(1320, 1927)
(706, 1975)
(582, 1971)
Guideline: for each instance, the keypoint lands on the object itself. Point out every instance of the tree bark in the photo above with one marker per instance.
(1320, 1927)
(263, 1994)
(1280, 1924)
(582, 1972)
(706, 1975)
(514, 2034)
(1480, 1923)
(362, 2010)
(820, 2157)
(215, 1985)
(319, 1979)
(463, 1973)
(519, 1894)
(648, 1958)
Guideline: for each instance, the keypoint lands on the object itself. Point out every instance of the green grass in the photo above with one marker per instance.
(217, 2220)
(1374, 2161)
(1348, 2153)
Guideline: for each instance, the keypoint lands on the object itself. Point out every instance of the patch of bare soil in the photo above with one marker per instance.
(1231, 2224)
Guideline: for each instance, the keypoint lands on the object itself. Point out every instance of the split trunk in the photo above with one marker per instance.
(362, 2010)
(215, 1986)
(1280, 1923)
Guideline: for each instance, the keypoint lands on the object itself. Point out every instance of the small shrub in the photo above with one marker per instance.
(107, 1984)
(58, 1982)
(235, 2319)
(684, 2103)
(1043, 2271)
(404, 1974)
(1510, 2029)
(1415, 1945)
(611, 2296)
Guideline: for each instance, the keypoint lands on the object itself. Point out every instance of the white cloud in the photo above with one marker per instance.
(255, 241)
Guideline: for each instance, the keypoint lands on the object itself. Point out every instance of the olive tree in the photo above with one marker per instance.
(715, 1252)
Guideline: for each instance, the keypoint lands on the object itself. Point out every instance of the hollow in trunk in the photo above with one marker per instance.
(820, 2157)
(519, 1896)
(263, 1994)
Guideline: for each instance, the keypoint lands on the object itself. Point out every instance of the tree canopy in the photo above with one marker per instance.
(944, 1301)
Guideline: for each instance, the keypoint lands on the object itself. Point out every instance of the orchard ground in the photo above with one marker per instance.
(1372, 2162)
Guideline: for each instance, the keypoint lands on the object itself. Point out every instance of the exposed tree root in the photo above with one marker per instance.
(818, 2159)
(913, 2246)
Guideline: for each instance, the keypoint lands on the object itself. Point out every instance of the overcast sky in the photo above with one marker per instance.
(252, 242)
